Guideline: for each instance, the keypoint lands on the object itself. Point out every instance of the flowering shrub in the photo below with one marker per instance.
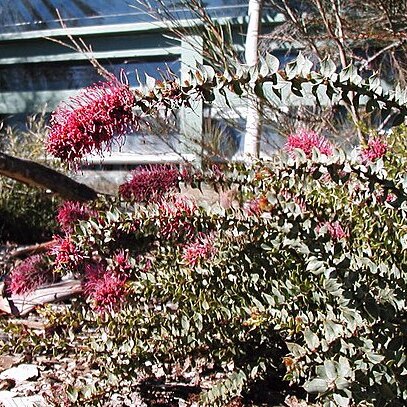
(305, 282)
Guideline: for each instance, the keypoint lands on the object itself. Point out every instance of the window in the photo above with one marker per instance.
(52, 76)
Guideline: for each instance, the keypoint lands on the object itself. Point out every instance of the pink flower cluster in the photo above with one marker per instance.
(66, 254)
(376, 148)
(71, 212)
(201, 249)
(90, 120)
(30, 274)
(336, 230)
(307, 140)
(121, 262)
(150, 183)
(256, 206)
(176, 218)
(107, 289)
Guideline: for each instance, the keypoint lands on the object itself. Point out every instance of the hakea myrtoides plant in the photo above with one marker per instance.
(103, 111)
(90, 121)
(304, 281)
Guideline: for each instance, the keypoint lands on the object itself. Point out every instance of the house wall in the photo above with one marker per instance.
(36, 70)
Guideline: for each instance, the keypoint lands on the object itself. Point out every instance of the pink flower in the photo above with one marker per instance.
(256, 206)
(176, 218)
(150, 183)
(107, 289)
(307, 140)
(375, 149)
(201, 249)
(336, 230)
(380, 194)
(67, 256)
(71, 212)
(121, 262)
(30, 274)
(90, 120)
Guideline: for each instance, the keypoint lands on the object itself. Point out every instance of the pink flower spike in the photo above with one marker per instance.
(375, 149)
(66, 254)
(201, 249)
(121, 262)
(176, 218)
(30, 274)
(150, 183)
(307, 140)
(336, 230)
(107, 289)
(91, 120)
(71, 212)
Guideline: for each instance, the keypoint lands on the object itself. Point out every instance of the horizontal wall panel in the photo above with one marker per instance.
(32, 15)
(37, 50)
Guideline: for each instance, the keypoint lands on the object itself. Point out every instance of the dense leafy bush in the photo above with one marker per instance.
(306, 280)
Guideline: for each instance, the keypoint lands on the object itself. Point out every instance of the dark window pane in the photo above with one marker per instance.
(59, 76)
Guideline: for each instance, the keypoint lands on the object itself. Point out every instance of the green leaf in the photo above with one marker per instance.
(311, 339)
(341, 401)
(330, 370)
(344, 369)
(72, 393)
(296, 350)
(374, 357)
(341, 383)
(316, 386)
(306, 68)
(332, 330)
(328, 67)
(264, 69)
(272, 62)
